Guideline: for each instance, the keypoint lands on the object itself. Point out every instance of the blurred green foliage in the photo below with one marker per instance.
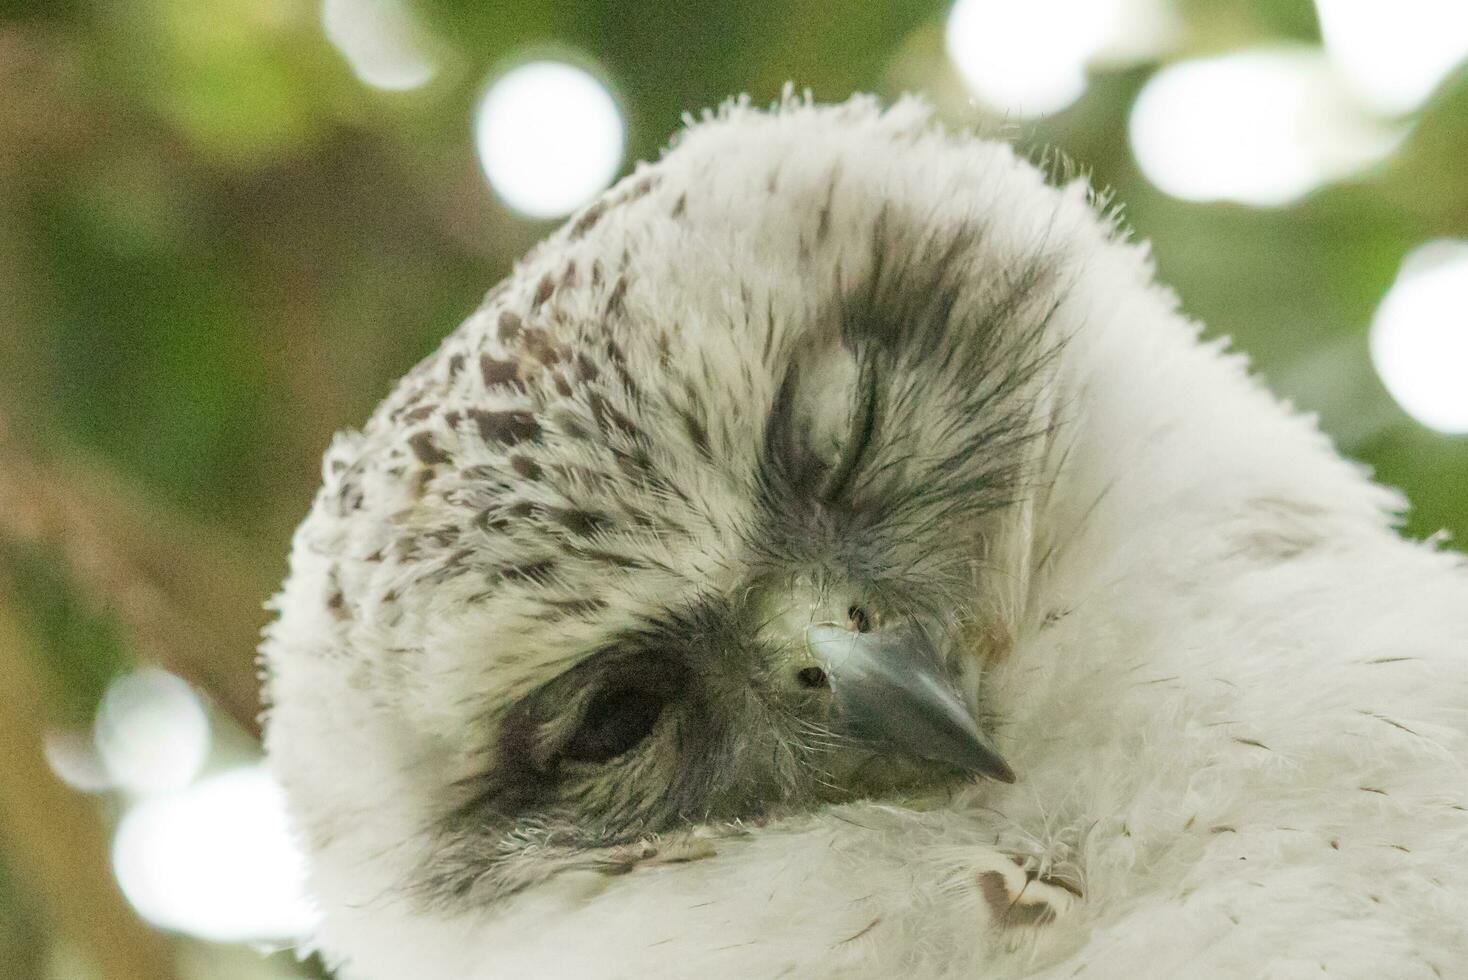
(220, 245)
(82, 649)
(226, 246)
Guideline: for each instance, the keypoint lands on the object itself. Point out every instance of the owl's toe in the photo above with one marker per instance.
(1015, 897)
(647, 853)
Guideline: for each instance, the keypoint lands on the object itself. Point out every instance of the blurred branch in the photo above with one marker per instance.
(52, 836)
(23, 935)
(182, 595)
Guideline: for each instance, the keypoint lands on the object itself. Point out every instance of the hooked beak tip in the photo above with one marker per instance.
(893, 692)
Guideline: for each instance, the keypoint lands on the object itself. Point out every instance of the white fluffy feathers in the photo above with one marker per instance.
(1236, 698)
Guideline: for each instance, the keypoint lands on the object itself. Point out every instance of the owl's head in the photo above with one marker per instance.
(712, 512)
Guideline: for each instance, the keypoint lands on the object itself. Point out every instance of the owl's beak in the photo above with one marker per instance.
(891, 690)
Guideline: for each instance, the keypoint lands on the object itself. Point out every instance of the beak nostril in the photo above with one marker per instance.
(812, 677)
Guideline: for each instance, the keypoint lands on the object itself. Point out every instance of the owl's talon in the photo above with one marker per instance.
(1016, 897)
(621, 860)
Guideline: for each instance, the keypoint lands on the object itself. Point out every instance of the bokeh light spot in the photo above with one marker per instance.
(380, 41)
(1395, 54)
(1262, 126)
(215, 861)
(1030, 58)
(1419, 337)
(550, 138)
(151, 732)
(73, 757)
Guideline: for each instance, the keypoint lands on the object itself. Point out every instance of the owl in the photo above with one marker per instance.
(831, 555)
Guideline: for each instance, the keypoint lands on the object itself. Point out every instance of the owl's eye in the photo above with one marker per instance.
(616, 721)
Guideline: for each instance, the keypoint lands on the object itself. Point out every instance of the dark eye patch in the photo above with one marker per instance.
(616, 721)
(594, 712)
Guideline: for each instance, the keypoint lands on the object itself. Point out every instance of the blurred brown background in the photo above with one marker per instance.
(226, 226)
